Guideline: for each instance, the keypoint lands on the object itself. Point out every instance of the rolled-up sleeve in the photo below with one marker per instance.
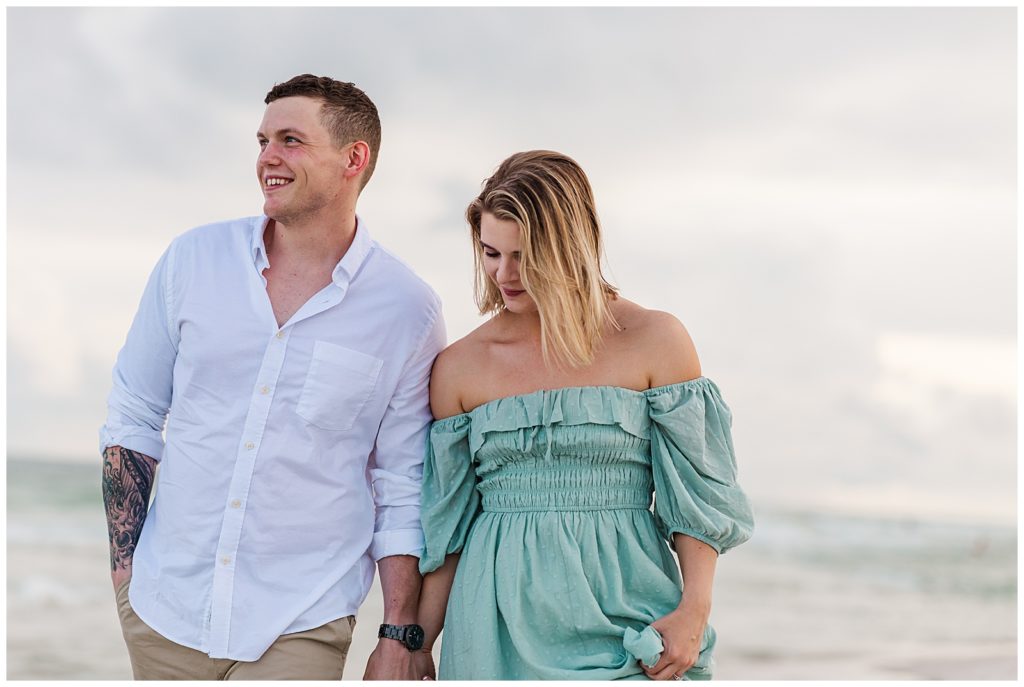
(396, 465)
(141, 395)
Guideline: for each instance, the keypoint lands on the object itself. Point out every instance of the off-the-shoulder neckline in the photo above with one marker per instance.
(653, 391)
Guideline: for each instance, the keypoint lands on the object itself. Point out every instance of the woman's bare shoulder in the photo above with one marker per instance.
(666, 346)
(460, 362)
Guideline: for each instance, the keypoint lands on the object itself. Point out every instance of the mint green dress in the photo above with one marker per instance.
(547, 496)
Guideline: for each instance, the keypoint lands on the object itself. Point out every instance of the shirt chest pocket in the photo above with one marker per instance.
(338, 385)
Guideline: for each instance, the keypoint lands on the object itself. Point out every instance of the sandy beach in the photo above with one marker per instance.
(811, 597)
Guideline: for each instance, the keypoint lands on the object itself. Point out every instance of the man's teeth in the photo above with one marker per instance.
(277, 182)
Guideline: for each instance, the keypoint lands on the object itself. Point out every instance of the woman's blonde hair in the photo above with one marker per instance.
(549, 197)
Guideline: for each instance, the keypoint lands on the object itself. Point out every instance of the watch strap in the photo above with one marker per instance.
(392, 632)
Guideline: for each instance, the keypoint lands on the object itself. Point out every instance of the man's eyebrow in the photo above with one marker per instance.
(282, 132)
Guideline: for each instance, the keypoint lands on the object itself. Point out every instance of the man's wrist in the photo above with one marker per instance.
(410, 636)
(120, 575)
(400, 618)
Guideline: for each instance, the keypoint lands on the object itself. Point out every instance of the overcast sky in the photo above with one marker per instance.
(824, 196)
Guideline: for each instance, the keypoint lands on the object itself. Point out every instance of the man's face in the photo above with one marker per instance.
(299, 167)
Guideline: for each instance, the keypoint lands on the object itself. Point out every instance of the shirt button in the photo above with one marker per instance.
(265, 390)
(225, 560)
(235, 503)
(280, 334)
(249, 445)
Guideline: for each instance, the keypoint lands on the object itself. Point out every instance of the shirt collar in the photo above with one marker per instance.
(256, 245)
(353, 259)
(346, 268)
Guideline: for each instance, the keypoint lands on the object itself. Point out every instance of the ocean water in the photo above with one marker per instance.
(812, 595)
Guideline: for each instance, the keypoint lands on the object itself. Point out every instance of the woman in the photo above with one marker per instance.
(556, 419)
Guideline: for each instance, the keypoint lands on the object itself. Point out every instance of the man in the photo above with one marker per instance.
(290, 356)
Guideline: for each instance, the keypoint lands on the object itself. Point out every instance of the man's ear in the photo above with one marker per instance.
(357, 159)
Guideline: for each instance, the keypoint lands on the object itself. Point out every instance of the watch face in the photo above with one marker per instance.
(413, 637)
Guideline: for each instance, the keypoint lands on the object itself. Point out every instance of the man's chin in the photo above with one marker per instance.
(277, 214)
(290, 215)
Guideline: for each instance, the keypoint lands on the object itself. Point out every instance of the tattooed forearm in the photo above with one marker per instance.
(127, 481)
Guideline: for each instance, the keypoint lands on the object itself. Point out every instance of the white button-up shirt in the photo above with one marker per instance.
(293, 455)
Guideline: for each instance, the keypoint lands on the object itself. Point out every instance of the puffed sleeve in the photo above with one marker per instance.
(450, 499)
(695, 487)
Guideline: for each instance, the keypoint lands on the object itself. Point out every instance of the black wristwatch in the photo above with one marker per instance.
(409, 635)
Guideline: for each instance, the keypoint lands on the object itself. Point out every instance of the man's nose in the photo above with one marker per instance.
(269, 154)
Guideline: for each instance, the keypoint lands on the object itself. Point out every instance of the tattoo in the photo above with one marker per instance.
(127, 481)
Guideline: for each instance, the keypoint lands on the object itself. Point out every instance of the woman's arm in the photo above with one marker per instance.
(444, 402)
(673, 358)
(437, 585)
(683, 629)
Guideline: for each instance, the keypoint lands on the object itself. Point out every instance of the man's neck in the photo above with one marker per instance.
(317, 242)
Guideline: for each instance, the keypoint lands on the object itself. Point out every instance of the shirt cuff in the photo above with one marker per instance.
(407, 542)
(145, 444)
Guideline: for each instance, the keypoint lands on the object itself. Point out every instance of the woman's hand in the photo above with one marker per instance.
(681, 632)
(423, 663)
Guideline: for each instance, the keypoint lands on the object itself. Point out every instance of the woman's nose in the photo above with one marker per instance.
(507, 271)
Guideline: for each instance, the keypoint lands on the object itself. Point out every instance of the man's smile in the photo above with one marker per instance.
(275, 182)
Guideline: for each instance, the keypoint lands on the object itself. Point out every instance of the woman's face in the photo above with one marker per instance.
(499, 239)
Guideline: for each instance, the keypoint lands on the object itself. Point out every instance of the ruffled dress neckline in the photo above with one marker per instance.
(599, 388)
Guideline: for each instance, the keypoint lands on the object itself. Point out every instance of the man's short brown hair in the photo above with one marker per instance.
(347, 113)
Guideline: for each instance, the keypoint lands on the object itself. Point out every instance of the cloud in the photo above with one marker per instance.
(798, 185)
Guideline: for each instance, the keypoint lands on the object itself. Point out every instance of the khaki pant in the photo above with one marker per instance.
(317, 654)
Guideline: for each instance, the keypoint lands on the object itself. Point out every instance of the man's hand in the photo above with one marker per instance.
(390, 661)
